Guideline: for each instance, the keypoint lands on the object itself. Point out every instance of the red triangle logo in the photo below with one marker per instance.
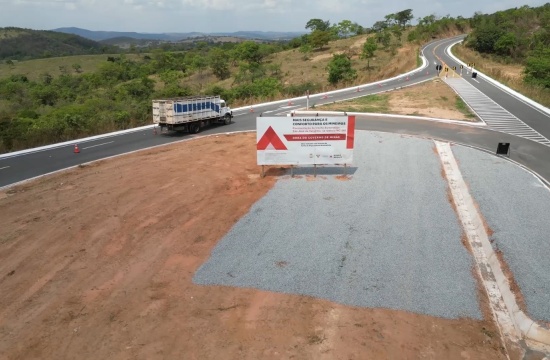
(270, 137)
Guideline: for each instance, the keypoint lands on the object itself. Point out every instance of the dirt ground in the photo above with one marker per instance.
(432, 99)
(97, 262)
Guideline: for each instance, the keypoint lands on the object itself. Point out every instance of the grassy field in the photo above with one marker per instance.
(34, 68)
(510, 75)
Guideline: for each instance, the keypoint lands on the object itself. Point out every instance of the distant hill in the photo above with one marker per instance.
(23, 44)
(104, 35)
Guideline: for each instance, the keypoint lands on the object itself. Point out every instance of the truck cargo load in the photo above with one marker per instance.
(190, 113)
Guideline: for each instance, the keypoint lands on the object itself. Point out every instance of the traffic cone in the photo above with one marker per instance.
(407, 78)
(154, 130)
(290, 103)
(76, 149)
(325, 96)
(379, 85)
(358, 90)
(251, 109)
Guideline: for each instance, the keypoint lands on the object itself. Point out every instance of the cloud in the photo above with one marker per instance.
(224, 15)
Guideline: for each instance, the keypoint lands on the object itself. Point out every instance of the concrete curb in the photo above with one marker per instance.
(523, 98)
(341, 113)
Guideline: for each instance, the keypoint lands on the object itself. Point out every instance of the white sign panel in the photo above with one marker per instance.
(314, 140)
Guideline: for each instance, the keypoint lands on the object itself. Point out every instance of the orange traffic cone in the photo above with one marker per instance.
(290, 103)
(325, 96)
(76, 149)
(358, 90)
(251, 109)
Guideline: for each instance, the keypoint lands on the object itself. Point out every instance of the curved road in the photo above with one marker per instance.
(22, 166)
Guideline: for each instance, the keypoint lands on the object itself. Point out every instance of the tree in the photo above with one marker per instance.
(369, 47)
(339, 69)
(318, 24)
(385, 38)
(219, 63)
(319, 38)
(379, 26)
(77, 67)
(403, 17)
(397, 32)
(306, 49)
(506, 44)
(250, 52)
(345, 28)
(537, 68)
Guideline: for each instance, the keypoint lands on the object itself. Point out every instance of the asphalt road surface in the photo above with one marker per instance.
(21, 167)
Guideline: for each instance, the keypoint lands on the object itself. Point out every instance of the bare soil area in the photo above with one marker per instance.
(97, 262)
(432, 99)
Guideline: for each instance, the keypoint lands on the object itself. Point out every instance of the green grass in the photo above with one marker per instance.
(463, 108)
(370, 103)
(32, 69)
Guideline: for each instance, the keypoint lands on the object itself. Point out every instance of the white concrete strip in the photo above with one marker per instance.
(469, 218)
(513, 322)
(93, 146)
(5, 167)
(340, 113)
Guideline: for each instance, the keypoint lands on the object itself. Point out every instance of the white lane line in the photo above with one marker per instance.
(5, 167)
(89, 147)
(476, 81)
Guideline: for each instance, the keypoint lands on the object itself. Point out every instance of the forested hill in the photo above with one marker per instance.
(24, 44)
(520, 35)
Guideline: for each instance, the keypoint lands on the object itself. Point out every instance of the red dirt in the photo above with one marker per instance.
(97, 263)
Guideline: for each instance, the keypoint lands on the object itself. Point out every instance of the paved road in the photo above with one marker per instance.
(526, 113)
(21, 167)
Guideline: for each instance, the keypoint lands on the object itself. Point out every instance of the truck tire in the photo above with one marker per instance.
(195, 128)
(227, 119)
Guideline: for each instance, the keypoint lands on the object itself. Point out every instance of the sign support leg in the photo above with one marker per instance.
(345, 170)
(315, 170)
(291, 171)
(263, 172)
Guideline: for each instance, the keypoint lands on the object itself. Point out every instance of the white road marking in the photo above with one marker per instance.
(494, 115)
(5, 167)
(89, 147)
(476, 81)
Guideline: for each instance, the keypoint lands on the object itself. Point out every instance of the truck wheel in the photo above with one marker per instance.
(194, 128)
(227, 119)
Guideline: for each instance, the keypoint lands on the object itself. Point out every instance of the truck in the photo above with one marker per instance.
(191, 113)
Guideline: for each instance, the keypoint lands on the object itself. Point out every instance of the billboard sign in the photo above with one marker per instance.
(306, 140)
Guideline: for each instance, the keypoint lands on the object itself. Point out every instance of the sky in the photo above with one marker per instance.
(166, 16)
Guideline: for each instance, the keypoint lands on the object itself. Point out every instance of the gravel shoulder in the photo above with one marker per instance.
(388, 238)
(516, 207)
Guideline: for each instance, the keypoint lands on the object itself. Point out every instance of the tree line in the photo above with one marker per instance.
(520, 35)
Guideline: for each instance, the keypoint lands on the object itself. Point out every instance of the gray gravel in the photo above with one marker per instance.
(388, 238)
(516, 207)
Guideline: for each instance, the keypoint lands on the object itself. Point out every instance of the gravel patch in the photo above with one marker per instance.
(387, 238)
(516, 207)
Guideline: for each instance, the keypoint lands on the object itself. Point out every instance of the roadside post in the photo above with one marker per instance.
(461, 69)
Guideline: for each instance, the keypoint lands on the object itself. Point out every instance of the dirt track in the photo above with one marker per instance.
(97, 263)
